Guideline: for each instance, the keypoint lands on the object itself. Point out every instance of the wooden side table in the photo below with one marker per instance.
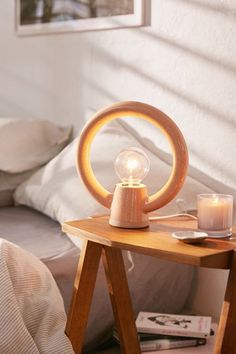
(103, 240)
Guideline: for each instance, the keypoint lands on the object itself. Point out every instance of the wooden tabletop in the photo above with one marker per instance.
(156, 240)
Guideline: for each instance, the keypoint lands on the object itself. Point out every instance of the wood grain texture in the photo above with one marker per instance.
(156, 240)
(120, 299)
(226, 338)
(82, 294)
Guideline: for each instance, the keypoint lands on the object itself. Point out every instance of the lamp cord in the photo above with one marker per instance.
(181, 204)
(153, 218)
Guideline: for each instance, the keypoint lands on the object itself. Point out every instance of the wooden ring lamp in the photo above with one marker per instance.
(130, 206)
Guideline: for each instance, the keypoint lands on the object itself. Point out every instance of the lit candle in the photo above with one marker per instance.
(215, 214)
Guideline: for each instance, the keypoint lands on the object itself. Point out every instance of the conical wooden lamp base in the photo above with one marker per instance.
(128, 205)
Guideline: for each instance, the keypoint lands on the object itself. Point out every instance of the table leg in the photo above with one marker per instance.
(226, 339)
(120, 299)
(82, 294)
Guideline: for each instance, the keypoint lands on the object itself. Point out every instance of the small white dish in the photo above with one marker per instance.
(190, 236)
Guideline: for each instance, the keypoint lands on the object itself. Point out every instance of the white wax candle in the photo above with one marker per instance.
(215, 212)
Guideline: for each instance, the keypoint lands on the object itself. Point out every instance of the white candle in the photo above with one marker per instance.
(215, 212)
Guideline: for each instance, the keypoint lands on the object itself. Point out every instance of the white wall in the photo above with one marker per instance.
(184, 63)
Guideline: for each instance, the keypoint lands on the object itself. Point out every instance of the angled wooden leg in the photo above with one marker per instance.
(82, 294)
(120, 299)
(226, 338)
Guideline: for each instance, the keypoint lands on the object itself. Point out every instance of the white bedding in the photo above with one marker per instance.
(42, 236)
(32, 317)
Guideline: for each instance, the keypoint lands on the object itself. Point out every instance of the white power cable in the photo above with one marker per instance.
(163, 217)
(181, 204)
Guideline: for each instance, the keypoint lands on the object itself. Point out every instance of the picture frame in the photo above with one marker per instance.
(35, 25)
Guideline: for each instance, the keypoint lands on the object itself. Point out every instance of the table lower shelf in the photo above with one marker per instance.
(205, 349)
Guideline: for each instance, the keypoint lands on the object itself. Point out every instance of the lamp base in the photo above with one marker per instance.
(127, 206)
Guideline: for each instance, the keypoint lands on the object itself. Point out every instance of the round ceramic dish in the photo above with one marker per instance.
(190, 236)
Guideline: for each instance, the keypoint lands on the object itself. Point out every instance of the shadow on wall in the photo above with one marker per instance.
(219, 8)
(193, 52)
(109, 59)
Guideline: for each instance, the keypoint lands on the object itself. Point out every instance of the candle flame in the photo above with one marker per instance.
(215, 199)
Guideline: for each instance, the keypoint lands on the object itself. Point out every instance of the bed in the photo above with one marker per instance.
(50, 192)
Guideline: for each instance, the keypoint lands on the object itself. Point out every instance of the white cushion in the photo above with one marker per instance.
(26, 144)
(57, 190)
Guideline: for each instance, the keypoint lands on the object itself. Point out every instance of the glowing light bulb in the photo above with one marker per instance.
(132, 165)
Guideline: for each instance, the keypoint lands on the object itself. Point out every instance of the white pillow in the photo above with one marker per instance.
(26, 144)
(56, 189)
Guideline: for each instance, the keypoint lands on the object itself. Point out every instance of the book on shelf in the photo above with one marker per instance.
(175, 325)
(156, 342)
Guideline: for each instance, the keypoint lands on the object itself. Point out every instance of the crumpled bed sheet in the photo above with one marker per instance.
(32, 316)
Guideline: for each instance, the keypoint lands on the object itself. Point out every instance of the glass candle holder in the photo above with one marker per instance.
(215, 214)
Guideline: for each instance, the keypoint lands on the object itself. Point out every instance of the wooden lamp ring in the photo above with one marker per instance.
(157, 118)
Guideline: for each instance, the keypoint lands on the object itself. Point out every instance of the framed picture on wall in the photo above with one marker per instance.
(55, 16)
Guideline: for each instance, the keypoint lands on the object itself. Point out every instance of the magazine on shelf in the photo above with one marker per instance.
(151, 342)
(176, 325)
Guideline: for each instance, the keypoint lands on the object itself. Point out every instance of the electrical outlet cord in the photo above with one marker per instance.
(163, 217)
